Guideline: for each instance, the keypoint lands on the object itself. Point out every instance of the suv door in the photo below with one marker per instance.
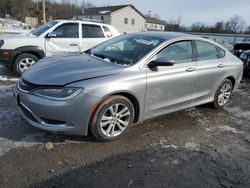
(91, 36)
(211, 68)
(171, 88)
(65, 38)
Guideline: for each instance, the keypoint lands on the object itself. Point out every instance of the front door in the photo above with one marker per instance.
(65, 39)
(170, 88)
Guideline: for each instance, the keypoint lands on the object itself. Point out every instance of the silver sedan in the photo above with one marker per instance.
(126, 80)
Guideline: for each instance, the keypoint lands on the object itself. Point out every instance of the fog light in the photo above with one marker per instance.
(5, 53)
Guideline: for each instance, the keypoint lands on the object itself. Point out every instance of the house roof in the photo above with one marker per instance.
(108, 10)
(154, 20)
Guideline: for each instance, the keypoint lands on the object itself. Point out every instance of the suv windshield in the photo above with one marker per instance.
(125, 49)
(40, 30)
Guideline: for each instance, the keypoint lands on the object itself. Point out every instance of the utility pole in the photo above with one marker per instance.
(44, 13)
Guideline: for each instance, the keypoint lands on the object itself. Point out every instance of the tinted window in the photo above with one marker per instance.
(107, 31)
(67, 30)
(92, 31)
(180, 52)
(206, 51)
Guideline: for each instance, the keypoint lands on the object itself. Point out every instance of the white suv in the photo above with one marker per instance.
(59, 36)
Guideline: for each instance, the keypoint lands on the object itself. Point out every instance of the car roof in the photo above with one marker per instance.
(82, 21)
(163, 34)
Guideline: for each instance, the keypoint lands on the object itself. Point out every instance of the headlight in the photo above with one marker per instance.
(57, 93)
(1, 43)
(243, 56)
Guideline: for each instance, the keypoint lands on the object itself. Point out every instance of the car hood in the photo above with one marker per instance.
(62, 70)
(13, 36)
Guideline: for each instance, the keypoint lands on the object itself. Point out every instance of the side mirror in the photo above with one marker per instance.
(162, 61)
(51, 35)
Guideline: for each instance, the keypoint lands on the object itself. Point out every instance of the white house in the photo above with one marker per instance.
(126, 18)
(154, 24)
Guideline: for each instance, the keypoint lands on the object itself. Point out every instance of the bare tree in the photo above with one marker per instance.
(235, 24)
(198, 27)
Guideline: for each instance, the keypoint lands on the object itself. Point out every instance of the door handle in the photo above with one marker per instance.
(190, 69)
(221, 66)
(73, 44)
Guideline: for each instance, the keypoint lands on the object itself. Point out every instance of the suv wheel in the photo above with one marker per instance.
(112, 118)
(223, 94)
(23, 62)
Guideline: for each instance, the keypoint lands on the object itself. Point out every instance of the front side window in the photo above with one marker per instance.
(67, 30)
(180, 52)
(206, 51)
(126, 49)
(92, 31)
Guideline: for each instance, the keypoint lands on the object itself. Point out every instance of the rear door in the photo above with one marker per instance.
(92, 35)
(212, 67)
(171, 87)
(65, 39)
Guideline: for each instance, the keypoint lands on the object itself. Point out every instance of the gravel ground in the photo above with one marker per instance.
(197, 147)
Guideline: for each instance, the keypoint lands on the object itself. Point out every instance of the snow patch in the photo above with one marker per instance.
(4, 78)
(230, 129)
(192, 146)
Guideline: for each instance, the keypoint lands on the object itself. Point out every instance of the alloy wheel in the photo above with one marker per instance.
(26, 63)
(224, 94)
(115, 120)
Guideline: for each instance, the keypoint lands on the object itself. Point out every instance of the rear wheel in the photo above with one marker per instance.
(223, 94)
(23, 62)
(112, 118)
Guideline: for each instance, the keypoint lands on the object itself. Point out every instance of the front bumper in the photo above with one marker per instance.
(69, 117)
(7, 57)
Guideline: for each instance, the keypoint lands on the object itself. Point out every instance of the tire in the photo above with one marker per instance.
(223, 94)
(23, 62)
(106, 126)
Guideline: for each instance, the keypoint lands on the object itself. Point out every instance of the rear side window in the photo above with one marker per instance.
(180, 52)
(221, 53)
(107, 31)
(206, 51)
(92, 31)
(67, 30)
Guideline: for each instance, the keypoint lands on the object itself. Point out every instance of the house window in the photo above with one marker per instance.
(126, 20)
(90, 17)
(133, 21)
(102, 18)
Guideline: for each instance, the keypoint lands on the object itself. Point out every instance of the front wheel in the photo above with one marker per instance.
(112, 118)
(223, 94)
(23, 62)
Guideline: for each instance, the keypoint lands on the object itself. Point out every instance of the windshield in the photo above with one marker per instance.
(40, 30)
(125, 49)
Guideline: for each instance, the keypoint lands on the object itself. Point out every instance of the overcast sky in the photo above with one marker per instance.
(206, 11)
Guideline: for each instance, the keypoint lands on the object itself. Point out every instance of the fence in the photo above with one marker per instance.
(231, 38)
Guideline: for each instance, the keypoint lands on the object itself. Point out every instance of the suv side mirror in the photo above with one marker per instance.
(162, 61)
(51, 35)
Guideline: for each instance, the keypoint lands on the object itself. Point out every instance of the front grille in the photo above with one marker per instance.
(26, 86)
